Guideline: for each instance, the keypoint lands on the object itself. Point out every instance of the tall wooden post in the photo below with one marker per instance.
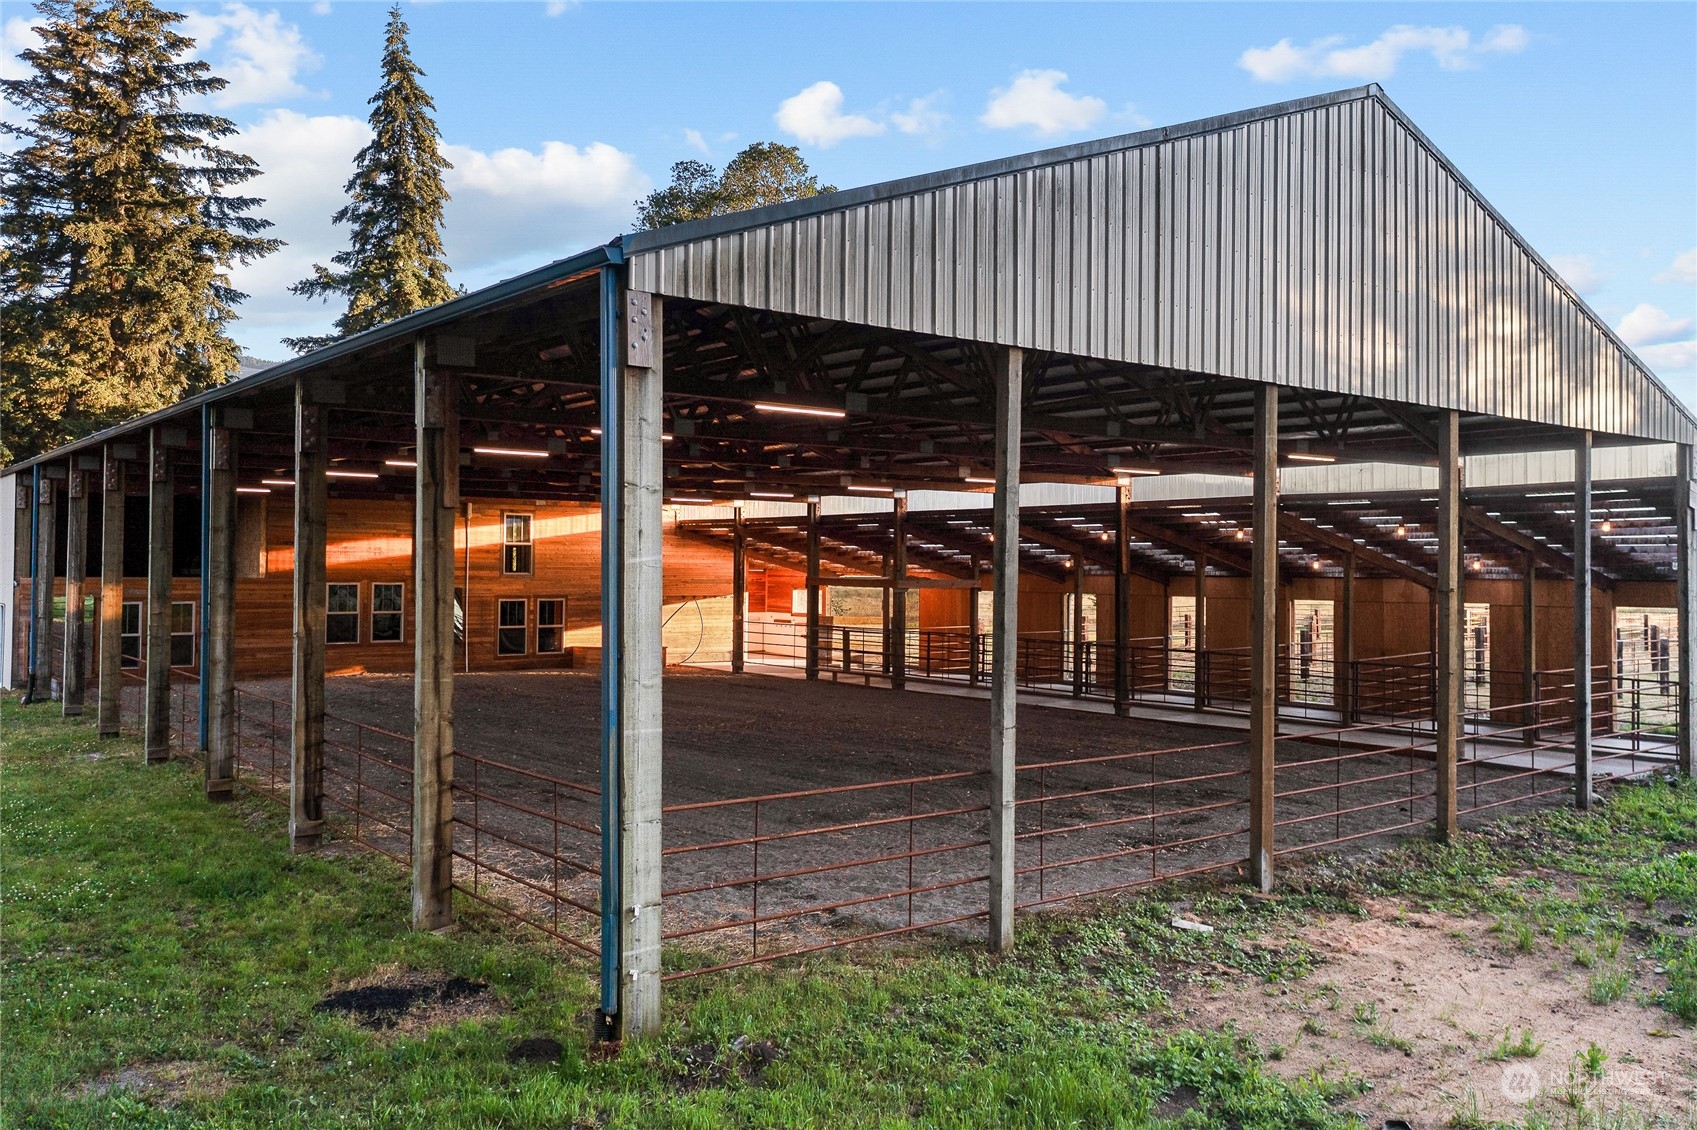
(1077, 627)
(1685, 522)
(220, 628)
(156, 709)
(640, 673)
(76, 572)
(436, 500)
(1004, 629)
(1529, 690)
(1122, 598)
(1201, 627)
(306, 763)
(1447, 643)
(974, 642)
(1343, 646)
(1582, 701)
(23, 564)
(111, 593)
(41, 592)
(898, 593)
(1263, 637)
(739, 590)
(811, 659)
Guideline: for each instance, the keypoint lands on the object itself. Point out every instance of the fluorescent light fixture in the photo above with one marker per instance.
(872, 489)
(521, 452)
(769, 494)
(1310, 457)
(350, 474)
(1126, 472)
(400, 462)
(691, 501)
(278, 482)
(253, 490)
(800, 410)
(981, 482)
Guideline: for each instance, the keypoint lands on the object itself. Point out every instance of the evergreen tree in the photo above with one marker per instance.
(117, 233)
(393, 264)
(764, 173)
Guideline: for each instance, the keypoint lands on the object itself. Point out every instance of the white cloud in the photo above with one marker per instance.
(693, 139)
(1645, 324)
(1453, 48)
(321, 8)
(1579, 272)
(260, 54)
(815, 117)
(1683, 269)
(560, 7)
(921, 118)
(1670, 357)
(16, 34)
(1035, 99)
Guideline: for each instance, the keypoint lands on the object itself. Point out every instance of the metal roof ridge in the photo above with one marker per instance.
(656, 238)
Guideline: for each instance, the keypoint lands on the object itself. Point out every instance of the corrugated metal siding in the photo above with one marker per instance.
(1329, 248)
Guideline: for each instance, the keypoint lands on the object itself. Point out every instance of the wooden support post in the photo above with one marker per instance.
(641, 669)
(306, 763)
(1201, 627)
(41, 594)
(898, 593)
(1122, 598)
(1343, 646)
(1004, 628)
(1529, 690)
(1685, 522)
(111, 660)
(156, 706)
(739, 590)
(220, 629)
(811, 659)
(1448, 640)
(1263, 637)
(1076, 629)
(76, 573)
(974, 641)
(436, 502)
(1583, 712)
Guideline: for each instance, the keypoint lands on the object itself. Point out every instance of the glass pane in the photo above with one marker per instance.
(550, 613)
(132, 619)
(516, 559)
(510, 641)
(385, 627)
(182, 651)
(182, 617)
(550, 639)
(341, 628)
(517, 529)
(129, 651)
(512, 613)
(385, 598)
(344, 598)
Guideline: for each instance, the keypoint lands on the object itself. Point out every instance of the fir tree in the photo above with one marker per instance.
(117, 232)
(393, 264)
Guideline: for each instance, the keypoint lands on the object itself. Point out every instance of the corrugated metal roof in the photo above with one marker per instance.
(1324, 243)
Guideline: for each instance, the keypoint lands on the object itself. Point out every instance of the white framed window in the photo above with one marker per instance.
(341, 614)
(388, 612)
(130, 635)
(515, 545)
(511, 627)
(182, 633)
(550, 624)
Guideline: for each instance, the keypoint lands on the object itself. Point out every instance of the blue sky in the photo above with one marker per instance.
(1578, 121)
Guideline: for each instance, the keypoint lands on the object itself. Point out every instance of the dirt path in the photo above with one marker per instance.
(1418, 1004)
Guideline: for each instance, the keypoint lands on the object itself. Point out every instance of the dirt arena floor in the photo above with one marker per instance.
(1123, 821)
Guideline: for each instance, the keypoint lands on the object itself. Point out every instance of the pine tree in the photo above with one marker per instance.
(117, 232)
(393, 264)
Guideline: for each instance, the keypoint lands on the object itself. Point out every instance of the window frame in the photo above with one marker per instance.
(559, 627)
(528, 544)
(356, 615)
(125, 663)
(523, 627)
(192, 635)
(399, 613)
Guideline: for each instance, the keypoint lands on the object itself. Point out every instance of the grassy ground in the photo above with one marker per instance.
(161, 959)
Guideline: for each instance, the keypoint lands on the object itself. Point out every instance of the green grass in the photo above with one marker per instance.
(1516, 1047)
(142, 927)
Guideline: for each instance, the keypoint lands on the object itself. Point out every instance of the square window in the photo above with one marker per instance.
(341, 617)
(387, 614)
(515, 544)
(510, 635)
(551, 624)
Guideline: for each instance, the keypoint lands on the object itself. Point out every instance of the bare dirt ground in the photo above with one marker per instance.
(1418, 1005)
(1179, 807)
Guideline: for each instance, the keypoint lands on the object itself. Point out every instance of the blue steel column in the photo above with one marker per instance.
(612, 592)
